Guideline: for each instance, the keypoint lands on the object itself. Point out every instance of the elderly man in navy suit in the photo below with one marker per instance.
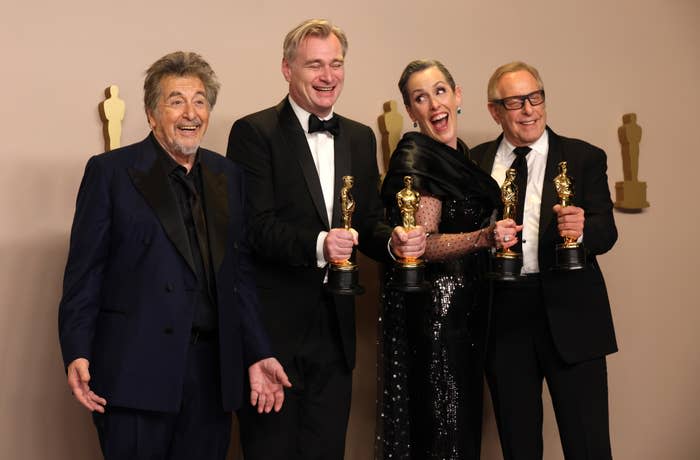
(158, 322)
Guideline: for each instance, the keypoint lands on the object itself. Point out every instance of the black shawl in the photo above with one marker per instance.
(437, 169)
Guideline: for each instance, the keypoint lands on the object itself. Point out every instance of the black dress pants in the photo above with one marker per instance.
(314, 417)
(520, 355)
(200, 430)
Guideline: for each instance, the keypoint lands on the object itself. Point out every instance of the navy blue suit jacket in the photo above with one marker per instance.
(129, 285)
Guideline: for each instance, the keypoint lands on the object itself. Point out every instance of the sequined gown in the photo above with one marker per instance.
(431, 343)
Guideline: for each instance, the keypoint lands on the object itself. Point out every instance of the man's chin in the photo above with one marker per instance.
(187, 150)
(324, 107)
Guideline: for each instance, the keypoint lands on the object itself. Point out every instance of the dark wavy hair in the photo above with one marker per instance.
(417, 66)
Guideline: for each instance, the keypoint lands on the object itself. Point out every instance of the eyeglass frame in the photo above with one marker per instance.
(522, 100)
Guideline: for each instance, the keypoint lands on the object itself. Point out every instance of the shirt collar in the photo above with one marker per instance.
(541, 145)
(168, 163)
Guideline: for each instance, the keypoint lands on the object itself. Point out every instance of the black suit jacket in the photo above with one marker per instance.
(288, 212)
(576, 301)
(128, 301)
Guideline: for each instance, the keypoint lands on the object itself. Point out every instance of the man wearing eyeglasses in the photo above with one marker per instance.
(549, 324)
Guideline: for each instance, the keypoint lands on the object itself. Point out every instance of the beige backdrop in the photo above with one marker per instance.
(599, 59)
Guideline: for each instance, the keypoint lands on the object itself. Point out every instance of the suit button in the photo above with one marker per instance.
(235, 245)
(168, 331)
(146, 240)
(235, 290)
(169, 287)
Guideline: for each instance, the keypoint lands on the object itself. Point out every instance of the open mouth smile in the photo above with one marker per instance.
(439, 121)
(188, 128)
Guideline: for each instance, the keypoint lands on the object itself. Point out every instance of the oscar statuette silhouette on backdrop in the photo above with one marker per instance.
(112, 111)
(630, 194)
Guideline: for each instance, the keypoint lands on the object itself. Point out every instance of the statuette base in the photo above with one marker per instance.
(506, 266)
(343, 279)
(631, 196)
(409, 276)
(569, 256)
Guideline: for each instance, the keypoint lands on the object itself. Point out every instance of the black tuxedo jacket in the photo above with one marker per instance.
(127, 302)
(288, 212)
(576, 301)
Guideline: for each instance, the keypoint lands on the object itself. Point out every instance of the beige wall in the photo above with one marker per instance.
(599, 59)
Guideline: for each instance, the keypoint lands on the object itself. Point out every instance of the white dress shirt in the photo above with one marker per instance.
(536, 164)
(323, 152)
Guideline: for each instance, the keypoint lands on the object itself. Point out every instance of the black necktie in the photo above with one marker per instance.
(330, 125)
(520, 166)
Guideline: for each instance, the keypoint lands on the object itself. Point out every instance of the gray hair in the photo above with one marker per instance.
(179, 63)
(515, 66)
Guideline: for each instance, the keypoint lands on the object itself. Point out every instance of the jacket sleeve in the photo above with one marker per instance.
(88, 252)
(256, 344)
(599, 232)
(278, 241)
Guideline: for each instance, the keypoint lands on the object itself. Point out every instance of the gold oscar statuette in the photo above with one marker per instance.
(570, 254)
(343, 275)
(409, 271)
(507, 263)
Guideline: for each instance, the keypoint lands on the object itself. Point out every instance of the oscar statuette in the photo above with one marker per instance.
(343, 275)
(570, 254)
(409, 271)
(506, 264)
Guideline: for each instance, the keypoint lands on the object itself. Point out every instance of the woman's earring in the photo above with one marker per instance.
(459, 110)
(415, 124)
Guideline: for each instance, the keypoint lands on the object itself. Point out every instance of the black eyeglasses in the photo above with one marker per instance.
(517, 102)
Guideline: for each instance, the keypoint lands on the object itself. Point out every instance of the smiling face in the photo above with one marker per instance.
(433, 105)
(522, 126)
(316, 74)
(181, 117)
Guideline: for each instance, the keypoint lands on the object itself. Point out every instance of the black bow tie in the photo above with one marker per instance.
(330, 125)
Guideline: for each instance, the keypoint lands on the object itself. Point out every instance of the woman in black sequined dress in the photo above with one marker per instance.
(432, 342)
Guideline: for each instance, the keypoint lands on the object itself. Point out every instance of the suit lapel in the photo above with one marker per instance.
(150, 179)
(297, 145)
(487, 159)
(549, 195)
(216, 209)
(342, 166)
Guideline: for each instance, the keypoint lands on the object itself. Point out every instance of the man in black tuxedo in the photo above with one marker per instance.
(158, 321)
(550, 324)
(295, 155)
